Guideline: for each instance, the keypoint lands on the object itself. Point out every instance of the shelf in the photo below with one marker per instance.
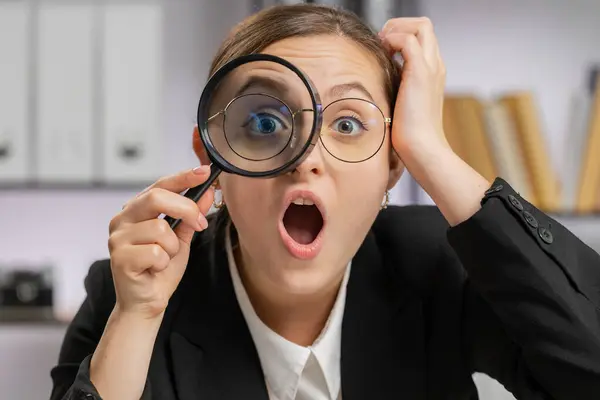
(33, 324)
(585, 227)
(75, 186)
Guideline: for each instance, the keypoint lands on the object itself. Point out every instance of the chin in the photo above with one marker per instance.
(305, 278)
(298, 276)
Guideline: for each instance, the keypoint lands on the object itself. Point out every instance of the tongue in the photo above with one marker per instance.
(303, 223)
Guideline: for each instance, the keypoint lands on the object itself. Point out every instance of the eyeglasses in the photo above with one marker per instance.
(261, 126)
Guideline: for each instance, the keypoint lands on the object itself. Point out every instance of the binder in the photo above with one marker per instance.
(132, 81)
(14, 93)
(64, 134)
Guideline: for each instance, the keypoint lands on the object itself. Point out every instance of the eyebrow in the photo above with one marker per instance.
(342, 89)
(265, 83)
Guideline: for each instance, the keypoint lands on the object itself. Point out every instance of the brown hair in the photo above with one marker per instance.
(280, 22)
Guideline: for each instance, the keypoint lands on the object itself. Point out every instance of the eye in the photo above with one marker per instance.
(264, 123)
(348, 126)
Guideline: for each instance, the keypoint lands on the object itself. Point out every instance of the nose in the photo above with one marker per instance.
(313, 164)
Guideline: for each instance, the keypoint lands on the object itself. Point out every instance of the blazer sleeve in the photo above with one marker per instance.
(531, 316)
(70, 378)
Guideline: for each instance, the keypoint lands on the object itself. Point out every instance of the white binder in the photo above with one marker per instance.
(132, 98)
(64, 134)
(14, 92)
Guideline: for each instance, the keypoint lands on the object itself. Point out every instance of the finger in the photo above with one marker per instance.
(412, 52)
(178, 182)
(186, 232)
(206, 201)
(423, 30)
(415, 26)
(159, 201)
(136, 259)
(154, 231)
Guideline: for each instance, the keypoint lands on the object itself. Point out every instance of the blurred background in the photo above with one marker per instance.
(98, 98)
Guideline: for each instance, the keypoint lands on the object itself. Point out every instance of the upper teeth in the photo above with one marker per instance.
(303, 202)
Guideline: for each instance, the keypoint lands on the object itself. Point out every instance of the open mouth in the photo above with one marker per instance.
(302, 224)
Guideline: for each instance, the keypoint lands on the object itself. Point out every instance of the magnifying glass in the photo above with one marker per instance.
(259, 116)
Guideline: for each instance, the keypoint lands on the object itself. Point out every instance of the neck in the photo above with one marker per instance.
(299, 318)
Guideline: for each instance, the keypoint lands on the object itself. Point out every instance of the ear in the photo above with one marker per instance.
(200, 151)
(199, 147)
(396, 169)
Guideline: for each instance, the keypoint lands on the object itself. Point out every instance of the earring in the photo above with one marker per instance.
(386, 200)
(221, 202)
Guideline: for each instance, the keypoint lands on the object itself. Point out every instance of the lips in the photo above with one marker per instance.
(301, 224)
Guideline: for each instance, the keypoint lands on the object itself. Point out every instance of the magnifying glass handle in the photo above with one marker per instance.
(196, 192)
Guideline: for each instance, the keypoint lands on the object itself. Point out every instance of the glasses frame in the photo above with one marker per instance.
(224, 113)
(387, 122)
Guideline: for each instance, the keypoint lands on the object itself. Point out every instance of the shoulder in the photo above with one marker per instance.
(417, 227)
(412, 241)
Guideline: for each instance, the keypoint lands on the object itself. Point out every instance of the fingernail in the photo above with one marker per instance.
(201, 170)
(202, 222)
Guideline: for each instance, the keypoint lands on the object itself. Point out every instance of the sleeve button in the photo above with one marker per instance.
(546, 235)
(494, 189)
(530, 219)
(515, 202)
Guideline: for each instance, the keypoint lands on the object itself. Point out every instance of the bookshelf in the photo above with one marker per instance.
(505, 73)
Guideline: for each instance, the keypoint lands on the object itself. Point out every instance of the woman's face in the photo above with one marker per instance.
(302, 248)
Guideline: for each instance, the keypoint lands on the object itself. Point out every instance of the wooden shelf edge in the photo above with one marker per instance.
(75, 186)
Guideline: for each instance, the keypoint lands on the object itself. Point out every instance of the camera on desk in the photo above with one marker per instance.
(26, 295)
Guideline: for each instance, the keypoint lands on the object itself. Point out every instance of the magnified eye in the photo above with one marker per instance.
(264, 123)
(348, 126)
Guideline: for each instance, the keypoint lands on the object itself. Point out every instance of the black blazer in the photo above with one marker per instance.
(509, 292)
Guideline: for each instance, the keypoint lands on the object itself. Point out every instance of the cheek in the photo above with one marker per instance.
(246, 199)
(363, 185)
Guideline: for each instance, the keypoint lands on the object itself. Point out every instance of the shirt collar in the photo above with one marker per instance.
(283, 361)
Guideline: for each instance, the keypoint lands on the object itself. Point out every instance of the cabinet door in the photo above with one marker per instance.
(14, 96)
(133, 76)
(64, 137)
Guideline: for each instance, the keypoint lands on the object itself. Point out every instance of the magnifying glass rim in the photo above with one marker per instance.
(203, 115)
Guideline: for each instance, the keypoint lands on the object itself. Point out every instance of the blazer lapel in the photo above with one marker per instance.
(383, 348)
(212, 351)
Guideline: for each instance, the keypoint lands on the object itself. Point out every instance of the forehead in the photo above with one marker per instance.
(330, 61)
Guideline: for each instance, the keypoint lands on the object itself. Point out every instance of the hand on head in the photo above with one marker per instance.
(419, 105)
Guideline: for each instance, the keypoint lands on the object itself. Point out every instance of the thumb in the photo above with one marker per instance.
(185, 232)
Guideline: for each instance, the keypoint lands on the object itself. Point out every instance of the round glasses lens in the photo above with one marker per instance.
(258, 127)
(353, 129)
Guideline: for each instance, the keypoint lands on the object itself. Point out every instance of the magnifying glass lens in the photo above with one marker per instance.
(260, 116)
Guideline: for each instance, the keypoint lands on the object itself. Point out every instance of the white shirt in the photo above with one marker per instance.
(283, 361)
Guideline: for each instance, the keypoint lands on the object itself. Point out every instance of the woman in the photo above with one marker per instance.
(337, 296)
